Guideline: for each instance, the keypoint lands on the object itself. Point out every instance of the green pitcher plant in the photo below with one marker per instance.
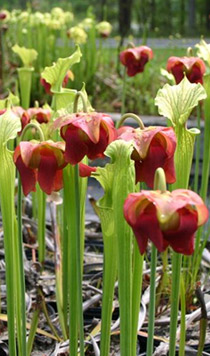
(27, 56)
(13, 244)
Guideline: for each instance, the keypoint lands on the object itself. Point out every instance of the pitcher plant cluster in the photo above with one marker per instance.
(146, 207)
(52, 35)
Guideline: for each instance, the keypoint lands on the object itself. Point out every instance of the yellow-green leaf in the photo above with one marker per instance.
(88, 104)
(27, 55)
(203, 51)
(168, 76)
(9, 126)
(177, 101)
(55, 74)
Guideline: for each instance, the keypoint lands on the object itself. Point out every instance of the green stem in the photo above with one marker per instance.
(25, 80)
(41, 197)
(150, 341)
(33, 126)
(133, 116)
(7, 179)
(124, 92)
(124, 258)
(183, 313)
(72, 211)
(80, 95)
(109, 276)
(187, 275)
(59, 301)
(160, 184)
(65, 266)
(204, 185)
(123, 184)
(176, 272)
(125, 293)
(138, 260)
(20, 280)
(197, 153)
(206, 155)
(58, 268)
(10, 283)
(79, 262)
(83, 182)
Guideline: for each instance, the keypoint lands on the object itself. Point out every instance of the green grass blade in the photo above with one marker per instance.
(41, 199)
